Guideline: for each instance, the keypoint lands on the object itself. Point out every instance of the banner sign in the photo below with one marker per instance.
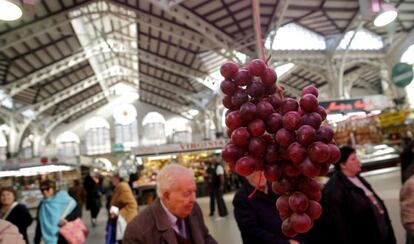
(346, 105)
(393, 118)
(174, 148)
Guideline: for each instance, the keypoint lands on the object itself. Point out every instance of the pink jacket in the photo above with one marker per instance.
(9, 234)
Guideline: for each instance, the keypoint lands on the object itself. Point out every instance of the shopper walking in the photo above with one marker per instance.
(257, 217)
(14, 212)
(93, 195)
(407, 208)
(352, 212)
(78, 193)
(50, 213)
(217, 189)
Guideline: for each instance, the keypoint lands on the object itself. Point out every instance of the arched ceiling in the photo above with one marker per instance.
(172, 47)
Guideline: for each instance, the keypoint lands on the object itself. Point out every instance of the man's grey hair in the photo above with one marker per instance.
(168, 176)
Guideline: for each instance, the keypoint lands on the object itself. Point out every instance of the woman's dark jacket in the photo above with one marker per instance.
(21, 218)
(257, 218)
(348, 216)
(76, 213)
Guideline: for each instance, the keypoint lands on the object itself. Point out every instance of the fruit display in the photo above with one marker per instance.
(283, 137)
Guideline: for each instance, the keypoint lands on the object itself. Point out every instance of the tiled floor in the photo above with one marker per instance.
(225, 230)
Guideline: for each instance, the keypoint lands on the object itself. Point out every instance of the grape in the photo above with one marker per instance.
(292, 120)
(321, 111)
(240, 136)
(269, 77)
(255, 89)
(242, 77)
(298, 202)
(239, 97)
(276, 101)
(283, 153)
(256, 127)
(335, 154)
(319, 152)
(301, 222)
(272, 172)
(271, 155)
(282, 205)
(312, 119)
(273, 122)
(270, 90)
(315, 210)
(289, 104)
(229, 70)
(311, 89)
(324, 169)
(228, 87)
(245, 166)
(305, 135)
(229, 131)
(311, 189)
(231, 153)
(309, 103)
(233, 120)
(248, 112)
(228, 103)
(268, 139)
(257, 147)
(282, 186)
(291, 170)
(324, 134)
(287, 228)
(284, 137)
(296, 153)
(264, 109)
(308, 168)
(257, 67)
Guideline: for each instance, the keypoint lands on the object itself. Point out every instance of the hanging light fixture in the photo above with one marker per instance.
(10, 10)
(387, 13)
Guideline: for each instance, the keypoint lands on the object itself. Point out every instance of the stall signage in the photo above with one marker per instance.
(184, 147)
(402, 74)
(345, 105)
(393, 118)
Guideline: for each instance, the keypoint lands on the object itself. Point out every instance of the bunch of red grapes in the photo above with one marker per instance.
(280, 136)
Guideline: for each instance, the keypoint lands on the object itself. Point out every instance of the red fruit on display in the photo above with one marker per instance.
(272, 172)
(228, 87)
(248, 112)
(276, 101)
(335, 154)
(233, 120)
(292, 120)
(324, 134)
(309, 103)
(255, 89)
(264, 109)
(256, 127)
(282, 186)
(305, 135)
(270, 90)
(231, 153)
(283, 153)
(322, 112)
(257, 147)
(308, 168)
(257, 67)
(311, 189)
(324, 169)
(315, 210)
(282, 205)
(268, 139)
(240, 137)
(245, 166)
(242, 77)
(319, 152)
(228, 70)
(312, 119)
(228, 132)
(298, 202)
(228, 103)
(284, 137)
(239, 97)
(269, 77)
(311, 89)
(296, 153)
(274, 122)
(289, 104)
(301, 222)
(271, 154)
(291, 170)
(287, 228)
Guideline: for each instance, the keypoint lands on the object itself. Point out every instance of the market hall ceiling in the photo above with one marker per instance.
(63, 58)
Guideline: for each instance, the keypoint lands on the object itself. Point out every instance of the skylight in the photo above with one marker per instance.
(363, 40)
(408, 55)
(291, 36)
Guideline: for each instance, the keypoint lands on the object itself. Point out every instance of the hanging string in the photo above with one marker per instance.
(256, 187)
(258, 29)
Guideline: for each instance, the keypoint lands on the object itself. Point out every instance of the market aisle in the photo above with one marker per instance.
(225, 230)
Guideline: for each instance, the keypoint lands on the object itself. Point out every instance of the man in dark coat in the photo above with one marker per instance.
(93, 195)
(257, 217)
(175, 217)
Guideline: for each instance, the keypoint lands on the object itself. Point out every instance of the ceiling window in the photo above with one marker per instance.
(179, 129)
(68, 144)
(363, 40)
(291, 36)
(97, 137)
(126, 127)
(153, 129)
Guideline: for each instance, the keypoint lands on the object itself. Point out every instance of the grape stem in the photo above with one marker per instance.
(256, 187)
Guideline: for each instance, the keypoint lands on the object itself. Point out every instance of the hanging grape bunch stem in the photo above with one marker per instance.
(280, 136)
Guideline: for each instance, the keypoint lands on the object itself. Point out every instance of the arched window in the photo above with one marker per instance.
(27, 147)
(153, 129)
(68, 144)
(363, 40)
(180, 130)
(97, 137)
(126, 127)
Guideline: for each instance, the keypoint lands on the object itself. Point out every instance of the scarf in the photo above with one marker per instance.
(51, 212)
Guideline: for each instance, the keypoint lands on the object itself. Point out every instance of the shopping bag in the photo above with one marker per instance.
(74, 232)
(110, 237)
(120, 228)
